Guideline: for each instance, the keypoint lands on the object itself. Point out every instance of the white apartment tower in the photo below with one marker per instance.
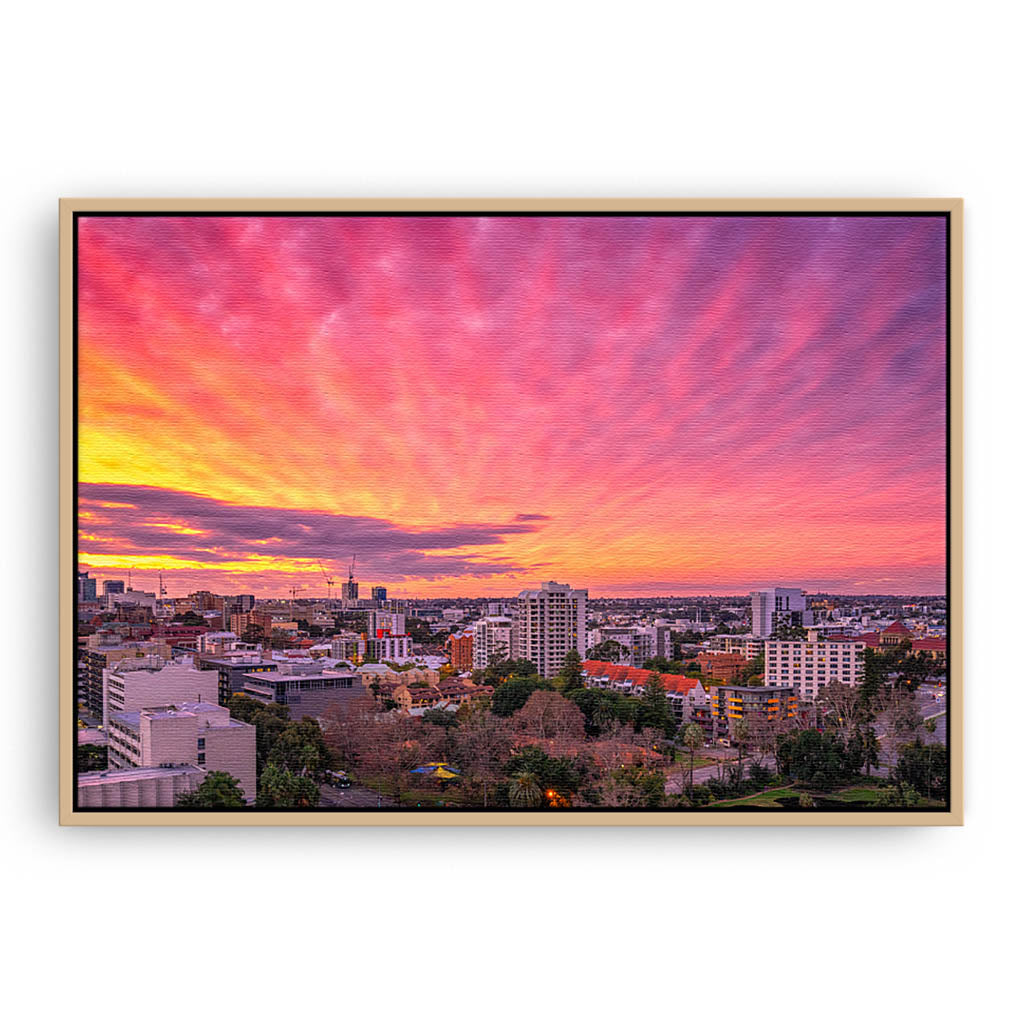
(549, 622)
(768, 607)
(492, 636)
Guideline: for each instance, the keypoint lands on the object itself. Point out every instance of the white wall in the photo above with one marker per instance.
(777, 99)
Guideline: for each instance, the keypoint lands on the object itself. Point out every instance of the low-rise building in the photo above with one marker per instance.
(232, 666)
(683, 692)
(725, 667)
(305, 688)
(137, 787)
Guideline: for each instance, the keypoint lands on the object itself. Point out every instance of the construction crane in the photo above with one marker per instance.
(330, 582)
(163, 589)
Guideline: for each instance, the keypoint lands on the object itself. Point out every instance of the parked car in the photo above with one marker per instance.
(339, 780)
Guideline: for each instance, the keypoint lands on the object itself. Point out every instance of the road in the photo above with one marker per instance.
(354, 796)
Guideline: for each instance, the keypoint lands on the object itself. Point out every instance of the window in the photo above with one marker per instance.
(201, 743)
(202, 759)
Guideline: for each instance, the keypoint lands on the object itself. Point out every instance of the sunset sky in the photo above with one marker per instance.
(470, 405)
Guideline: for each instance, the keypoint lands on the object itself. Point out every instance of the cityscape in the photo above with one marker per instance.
(491, 513)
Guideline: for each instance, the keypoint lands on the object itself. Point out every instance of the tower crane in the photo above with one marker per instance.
(330, 582)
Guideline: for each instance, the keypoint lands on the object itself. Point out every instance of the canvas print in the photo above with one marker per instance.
(507, 512)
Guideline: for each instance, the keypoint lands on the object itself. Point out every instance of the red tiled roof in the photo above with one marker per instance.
(929, 643)
(638, 676)
(896, 629)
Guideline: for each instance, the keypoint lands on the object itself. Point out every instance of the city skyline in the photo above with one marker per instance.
(643, 406)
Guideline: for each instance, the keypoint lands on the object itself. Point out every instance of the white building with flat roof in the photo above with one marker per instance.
(138, 787)
(549, 622)
(155, 682)
(190, 733)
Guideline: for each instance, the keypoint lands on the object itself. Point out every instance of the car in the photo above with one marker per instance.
(339, 780)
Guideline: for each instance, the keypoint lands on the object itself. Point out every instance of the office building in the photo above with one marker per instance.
(549, 622)
(113, 587)
(305, 688)
(379, 594)
(232, 666)
(86, 587)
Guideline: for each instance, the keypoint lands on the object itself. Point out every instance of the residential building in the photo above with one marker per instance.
(347, 646)
(725, 667)
(137, 683)
(777, 606)
(393, 622)
(386, 647)
(460, 651)
(683, 692)
(492, 638)
(549, 622)
(734, 703)
(188, 733)
(810, 665)
(749, 646)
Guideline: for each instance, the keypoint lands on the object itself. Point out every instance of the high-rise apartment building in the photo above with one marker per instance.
(492, 638)
(777, 606)
(548, 623)
(810, 665)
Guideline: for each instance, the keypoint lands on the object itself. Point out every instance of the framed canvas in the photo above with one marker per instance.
(505, 512)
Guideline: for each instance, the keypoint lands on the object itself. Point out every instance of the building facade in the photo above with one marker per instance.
(550, 622)
(809, 666)
(734, 703)
(776, 606)
(492, 638)
(460, 651)
(140, 683)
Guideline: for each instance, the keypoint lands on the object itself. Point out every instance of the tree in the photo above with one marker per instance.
(269, 720)
(633, 786)
(653, 711)
(218, 789)
(510, 696)
(482, 743)
(608, 650)
(752, 674)
(571, 675)
(302, 749)
(740, 734)
(923, 768)
(692, 739)
(789, 631)
(189, 619)
(547, 715)
(279, 787)
(524, 790)
(90, 757)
